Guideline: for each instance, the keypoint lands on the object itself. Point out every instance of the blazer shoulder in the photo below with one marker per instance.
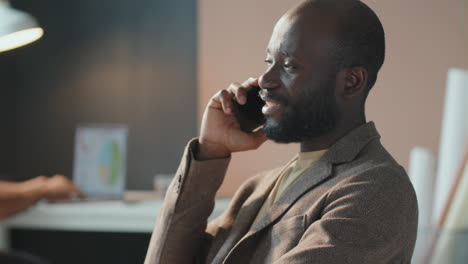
(381, 186)
(373, 157)
(375, 168)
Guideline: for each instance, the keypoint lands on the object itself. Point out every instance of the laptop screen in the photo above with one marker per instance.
(99, 167)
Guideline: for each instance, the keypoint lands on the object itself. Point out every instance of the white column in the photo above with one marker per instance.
(453, 140)
(422, 174)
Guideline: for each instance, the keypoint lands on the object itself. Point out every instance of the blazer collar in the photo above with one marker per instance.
(344, 150)
(347, 148)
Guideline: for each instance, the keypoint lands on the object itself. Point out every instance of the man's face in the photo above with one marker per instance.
(299, 84)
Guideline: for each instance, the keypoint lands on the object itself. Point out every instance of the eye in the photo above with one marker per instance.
(290, 66)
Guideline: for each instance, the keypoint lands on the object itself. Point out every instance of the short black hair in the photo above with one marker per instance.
(360, 37)
(361, 40)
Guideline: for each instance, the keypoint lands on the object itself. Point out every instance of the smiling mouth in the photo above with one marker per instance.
(272, 104)
(270, 107)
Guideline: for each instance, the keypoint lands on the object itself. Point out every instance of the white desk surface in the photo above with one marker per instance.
(106, 216)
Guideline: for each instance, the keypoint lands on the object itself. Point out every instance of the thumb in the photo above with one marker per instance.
(259, 137)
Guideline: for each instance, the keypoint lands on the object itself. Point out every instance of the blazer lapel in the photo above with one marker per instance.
(252, 205)
(246, 215)
(312, 177)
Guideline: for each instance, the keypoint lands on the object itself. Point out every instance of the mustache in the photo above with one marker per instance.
(268, 95)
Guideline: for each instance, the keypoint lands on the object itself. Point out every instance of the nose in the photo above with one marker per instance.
(269, 79)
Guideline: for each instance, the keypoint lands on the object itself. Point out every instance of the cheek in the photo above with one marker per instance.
(293, 84)
(287, 80)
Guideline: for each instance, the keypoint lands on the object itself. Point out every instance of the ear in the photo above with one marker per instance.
(354, 81)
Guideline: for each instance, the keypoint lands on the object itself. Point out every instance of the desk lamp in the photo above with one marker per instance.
(17, 28)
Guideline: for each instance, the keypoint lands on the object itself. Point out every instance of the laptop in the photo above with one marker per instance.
(99, 166)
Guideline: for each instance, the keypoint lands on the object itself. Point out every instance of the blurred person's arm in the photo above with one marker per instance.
(17, 196)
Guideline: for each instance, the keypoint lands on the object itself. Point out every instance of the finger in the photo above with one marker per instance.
(247, 85)
(259, 137)
(254, 139)
(226, 101)
(74, 193)
(239, 92)
(75, 188)
(215, 101)
(241, 95)
(252, 81)
(78, 194)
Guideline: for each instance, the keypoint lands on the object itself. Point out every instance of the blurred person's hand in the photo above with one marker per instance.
(17, 196)
(57, 187)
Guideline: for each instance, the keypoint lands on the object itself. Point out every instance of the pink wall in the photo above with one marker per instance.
(424, 39)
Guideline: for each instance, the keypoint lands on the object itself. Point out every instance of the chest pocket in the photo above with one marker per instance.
(282, 237)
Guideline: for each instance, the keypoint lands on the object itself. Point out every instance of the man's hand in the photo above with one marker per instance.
(220, 131)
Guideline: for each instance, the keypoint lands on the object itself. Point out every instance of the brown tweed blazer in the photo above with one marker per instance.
(354, 205)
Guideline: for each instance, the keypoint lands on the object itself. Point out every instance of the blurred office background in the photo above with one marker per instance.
(106, 61)
(154, 65)
(111, 61)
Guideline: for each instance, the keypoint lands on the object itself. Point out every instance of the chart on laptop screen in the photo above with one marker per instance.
(100, 159)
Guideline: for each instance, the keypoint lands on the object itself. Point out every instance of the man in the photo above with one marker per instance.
(343, 199)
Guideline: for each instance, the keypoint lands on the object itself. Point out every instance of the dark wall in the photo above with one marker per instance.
(67, 247)
(7, 116)
(112, 61)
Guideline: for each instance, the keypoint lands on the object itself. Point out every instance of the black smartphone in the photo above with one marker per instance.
(250, 115)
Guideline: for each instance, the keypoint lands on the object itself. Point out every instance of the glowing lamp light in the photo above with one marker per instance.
(17, 28)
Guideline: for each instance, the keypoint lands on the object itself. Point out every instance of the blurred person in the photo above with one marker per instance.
(18, 196)
(15, 197)
(342, 199)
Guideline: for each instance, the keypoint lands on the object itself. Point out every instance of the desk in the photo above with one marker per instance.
(108, 216)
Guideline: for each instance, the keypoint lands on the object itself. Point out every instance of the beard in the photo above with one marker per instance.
(305, 117)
